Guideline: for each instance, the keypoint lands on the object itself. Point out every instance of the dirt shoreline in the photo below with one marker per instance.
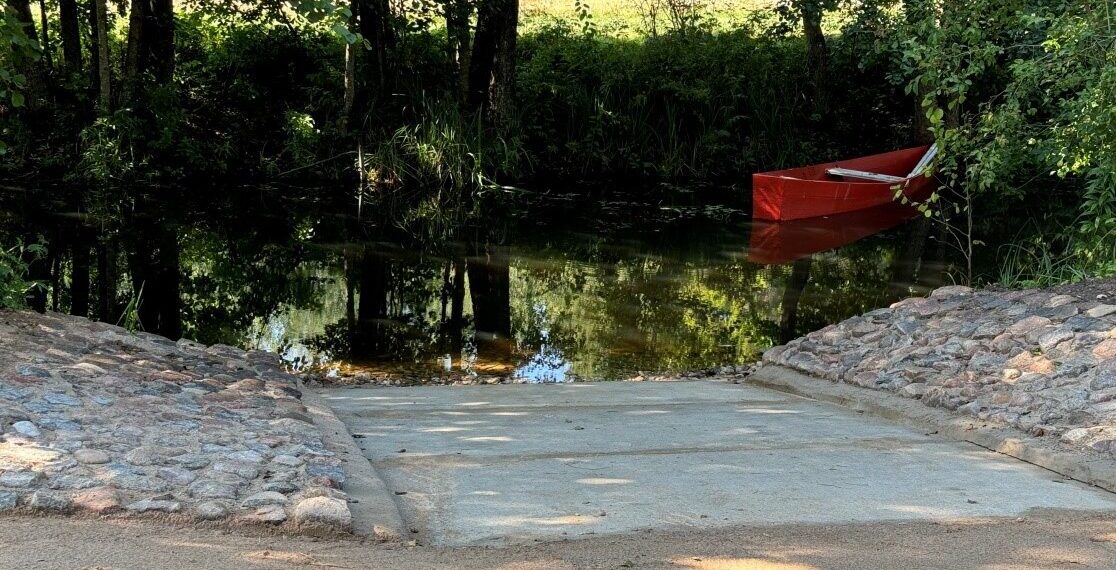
(1038, 541)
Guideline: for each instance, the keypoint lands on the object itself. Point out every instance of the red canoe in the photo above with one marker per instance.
(809, 191)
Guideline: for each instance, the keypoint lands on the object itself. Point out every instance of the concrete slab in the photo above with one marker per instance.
(508, 464)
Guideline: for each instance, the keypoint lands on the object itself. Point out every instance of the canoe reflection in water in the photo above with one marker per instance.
(776, 243)
(795, 242)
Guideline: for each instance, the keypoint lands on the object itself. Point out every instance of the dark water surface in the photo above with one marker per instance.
(552, 288)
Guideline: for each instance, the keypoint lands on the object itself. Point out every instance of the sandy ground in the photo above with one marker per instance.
(1038, 541)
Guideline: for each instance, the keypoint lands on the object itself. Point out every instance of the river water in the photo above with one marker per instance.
(556, 287)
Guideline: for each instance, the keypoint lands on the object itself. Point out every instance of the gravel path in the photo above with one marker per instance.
(98, 419)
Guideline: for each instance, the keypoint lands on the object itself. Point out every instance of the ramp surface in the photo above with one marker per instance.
(517, 463)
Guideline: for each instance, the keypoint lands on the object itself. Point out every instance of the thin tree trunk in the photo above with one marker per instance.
(70, 31)
(135, 55)
(503, 80)
(349, 79)
(107, 277)
(160, 40)
(79, 277)
(483, 58)
(916, 11)
(103, 57)
(375, 27)
(55, 280)
(457, 15)
(817, 54)
(48, 57)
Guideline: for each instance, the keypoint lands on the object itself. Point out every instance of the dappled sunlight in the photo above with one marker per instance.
(603, 481)
(562, 520)
(719, 563)
(767, 411)
(486, 493)
(444, 429)
(509, 413)
(26, 456)
(474, 404)
(496, 438)
(922, 511)
(646, 412)
(743, 431)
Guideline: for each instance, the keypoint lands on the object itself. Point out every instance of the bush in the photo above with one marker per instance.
(13, 274)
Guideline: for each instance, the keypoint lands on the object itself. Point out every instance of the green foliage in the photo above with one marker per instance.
(433, 171)
(14, 286)
(1035, 264)
(1020, 97)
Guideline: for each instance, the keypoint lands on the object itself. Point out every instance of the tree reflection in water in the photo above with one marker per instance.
(329, 290)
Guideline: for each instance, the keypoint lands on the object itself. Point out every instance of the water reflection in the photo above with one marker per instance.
(551, 299)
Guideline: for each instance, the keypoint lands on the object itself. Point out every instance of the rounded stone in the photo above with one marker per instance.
(8, 500)
(99, 500)
(47, 501)
(159, 505)
(324, 511)
(91, 456)
(270, 514)
(211, 510)
(205, 489)
(27, 429)
(264, 498)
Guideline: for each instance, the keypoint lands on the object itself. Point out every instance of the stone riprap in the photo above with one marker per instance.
(1041, 362)
(95, 418)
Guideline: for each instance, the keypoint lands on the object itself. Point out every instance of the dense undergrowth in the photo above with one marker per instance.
(1018, 94)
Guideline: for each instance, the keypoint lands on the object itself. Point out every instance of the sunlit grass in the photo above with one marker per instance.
(632, 17)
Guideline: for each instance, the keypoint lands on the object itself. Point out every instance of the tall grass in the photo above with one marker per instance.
(431, 172)
(1040, 264)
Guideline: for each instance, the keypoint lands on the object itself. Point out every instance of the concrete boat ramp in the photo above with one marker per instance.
(508, 464)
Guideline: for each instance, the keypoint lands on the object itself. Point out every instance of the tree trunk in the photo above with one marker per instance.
(48, 57)
(817, 54)
(375, 28)
(350, 76)
(483, 58)
(70, 30)
(150, 44)
(108, 306)
(492, 63)
(154, 263)
(503, 80)
(915, 12)
(457, 15)
(103, 60)
(79, 277)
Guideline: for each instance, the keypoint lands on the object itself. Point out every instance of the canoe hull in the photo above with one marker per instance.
(808, 192)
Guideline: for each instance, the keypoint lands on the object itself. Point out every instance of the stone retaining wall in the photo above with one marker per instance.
(98, 419)
(1037, 361)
